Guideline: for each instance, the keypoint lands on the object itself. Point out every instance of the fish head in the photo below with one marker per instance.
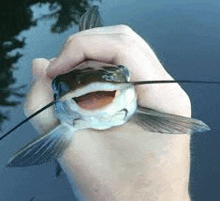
(95, 92)
(87, 73)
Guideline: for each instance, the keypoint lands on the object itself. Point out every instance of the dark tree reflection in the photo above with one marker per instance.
(16, 16)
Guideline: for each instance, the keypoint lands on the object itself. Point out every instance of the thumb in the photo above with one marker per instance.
(40, 94)
(39, 67)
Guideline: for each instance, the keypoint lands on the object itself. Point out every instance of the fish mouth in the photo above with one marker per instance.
(96, 99)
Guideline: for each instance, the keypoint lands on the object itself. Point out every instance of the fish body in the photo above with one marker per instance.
(78, 91)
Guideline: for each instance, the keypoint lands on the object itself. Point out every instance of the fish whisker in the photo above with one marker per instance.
(168, 82)
(30, 117)
(134, 83)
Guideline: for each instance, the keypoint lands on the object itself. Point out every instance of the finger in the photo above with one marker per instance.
(41, 92)
(104, 30)
(116, 29)
(39, 66)
(100, 48)
(39, 95)
(74, 47)
(116, 49)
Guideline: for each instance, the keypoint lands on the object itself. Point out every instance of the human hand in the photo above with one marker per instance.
(116, 45)
(116, 161)
(120, 45)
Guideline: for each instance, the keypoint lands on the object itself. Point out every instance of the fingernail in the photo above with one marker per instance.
(39, 66)
(52, 59)
(49, 72)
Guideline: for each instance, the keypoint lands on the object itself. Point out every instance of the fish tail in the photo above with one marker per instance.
(90, 19)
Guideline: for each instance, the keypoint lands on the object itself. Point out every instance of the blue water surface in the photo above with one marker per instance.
(185, 36)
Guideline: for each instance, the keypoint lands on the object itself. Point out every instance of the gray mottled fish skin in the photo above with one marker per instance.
(91, 78)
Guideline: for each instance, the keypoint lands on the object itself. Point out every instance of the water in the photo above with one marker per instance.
(185, 36)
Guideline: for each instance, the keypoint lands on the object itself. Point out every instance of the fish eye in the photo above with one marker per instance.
(125, 72)
(55, 85)
(109, 77)
(60, 86)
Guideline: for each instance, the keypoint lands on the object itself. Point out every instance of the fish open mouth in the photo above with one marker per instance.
(95, 100)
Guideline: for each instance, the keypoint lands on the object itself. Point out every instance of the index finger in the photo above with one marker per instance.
(112, 44)
(80, 48)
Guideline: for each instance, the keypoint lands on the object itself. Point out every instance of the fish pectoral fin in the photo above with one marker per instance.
(58, 169)
(44, 148)
(155, 121)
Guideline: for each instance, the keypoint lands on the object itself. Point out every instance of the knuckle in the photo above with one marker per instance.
(124, 29)
(127, 41)
(187, 99)
(73, 39)
(126, 35)
(69, 39)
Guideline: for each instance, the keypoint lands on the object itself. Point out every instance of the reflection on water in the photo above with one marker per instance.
(17, 16)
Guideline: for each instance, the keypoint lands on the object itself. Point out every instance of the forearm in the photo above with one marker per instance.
(128, 163)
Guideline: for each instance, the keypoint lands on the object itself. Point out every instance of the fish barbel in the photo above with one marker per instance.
(98, 96)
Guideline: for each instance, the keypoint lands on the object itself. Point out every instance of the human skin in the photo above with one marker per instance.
(126, 162)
